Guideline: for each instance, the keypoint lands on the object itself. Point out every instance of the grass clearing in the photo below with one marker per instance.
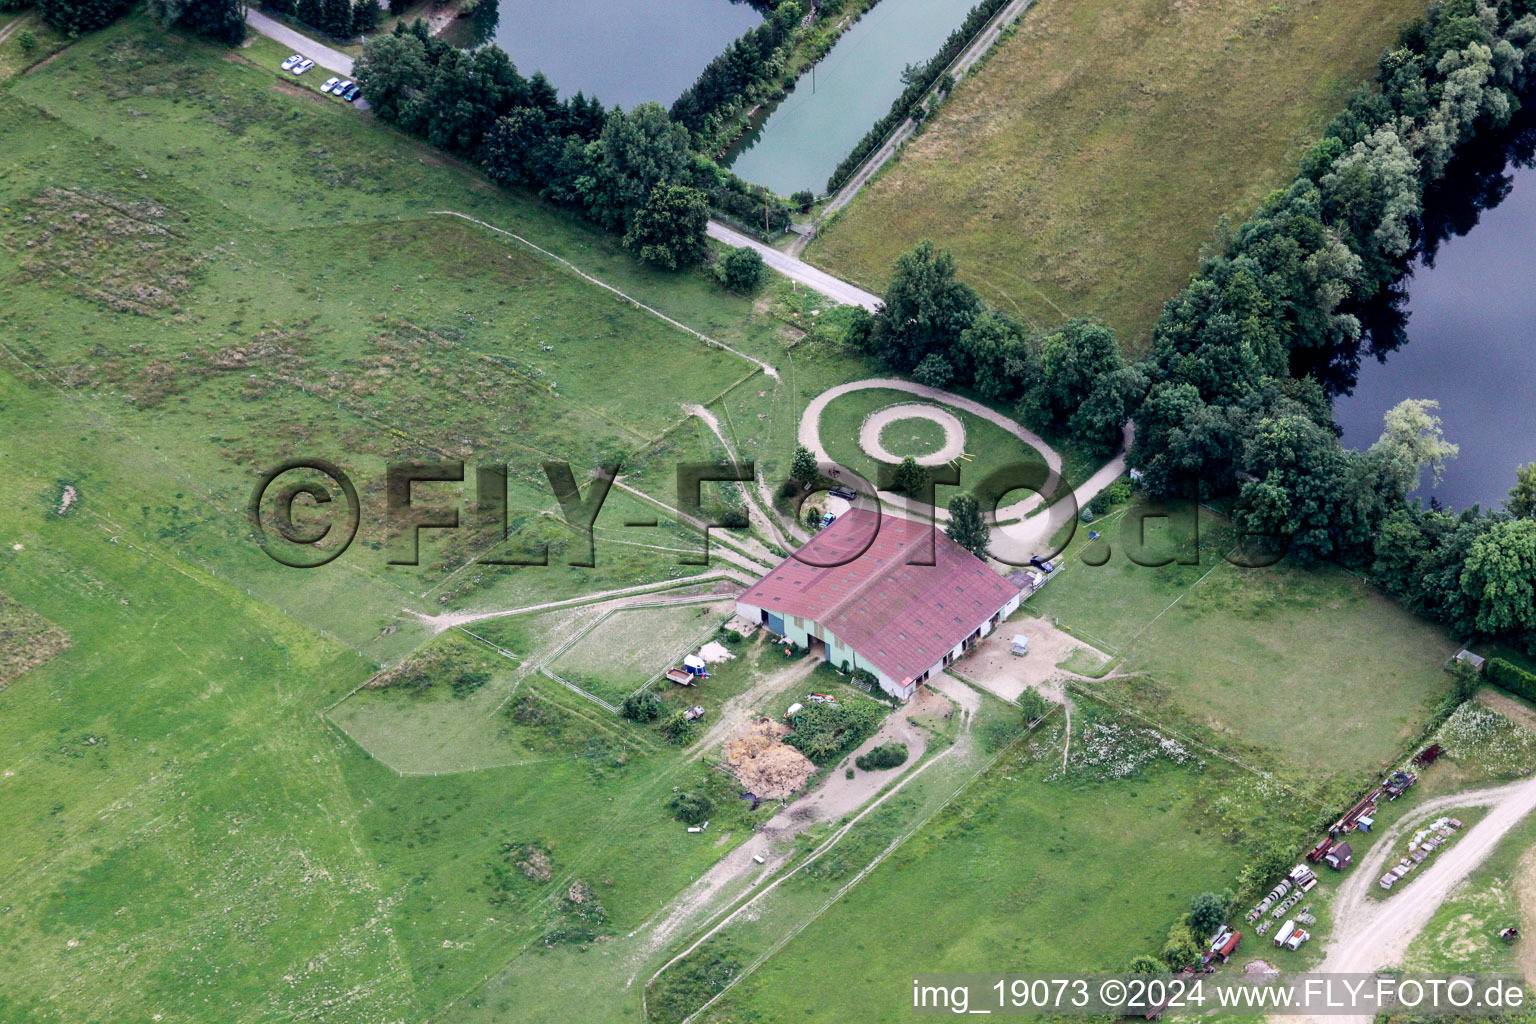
(1079, 172)
(275, 284)
(629, 647)
(1261, 657)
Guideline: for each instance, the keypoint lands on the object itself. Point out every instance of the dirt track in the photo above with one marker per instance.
(1371, 935)
(737, 873)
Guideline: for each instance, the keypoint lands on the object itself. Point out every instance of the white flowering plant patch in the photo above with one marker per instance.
(1480, 737)
(1112, 750)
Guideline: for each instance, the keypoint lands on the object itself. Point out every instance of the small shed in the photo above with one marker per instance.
(1467, 657)
(1339, 857)
(1020, 644)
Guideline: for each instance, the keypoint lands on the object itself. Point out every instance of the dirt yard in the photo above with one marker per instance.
(992, 666)
(764, 763)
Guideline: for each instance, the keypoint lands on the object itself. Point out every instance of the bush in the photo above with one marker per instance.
(677, 729)
(1146, 964)
(1182, 947)
(74, 17)
(1034, 706)
(642, 707)
(691, 808)
(826, 732)
(1208, 910)
(26, 40)
(804, 199)
(887, 755)
(1511, 677)
(934, 371)
(740, 270)
(468, 681)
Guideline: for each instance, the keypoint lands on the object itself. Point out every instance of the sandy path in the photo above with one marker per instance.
(875, 422)
(449, 620)
(10, 30)
(1369, 934)
(761, 517)
(752, 556)
(737, 873)
(1016, 536)
(797, 270)
(765, 367)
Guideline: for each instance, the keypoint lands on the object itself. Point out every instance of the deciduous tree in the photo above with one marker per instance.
(669, 230)
(967, 526)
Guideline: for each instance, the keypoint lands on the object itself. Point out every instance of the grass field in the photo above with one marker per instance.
(220, 272)
(1081, 170)
(1260, 657)
(208, 813)
(621, 653)
(994, 878)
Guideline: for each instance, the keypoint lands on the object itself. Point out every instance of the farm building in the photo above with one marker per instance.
(872, 604)
(1339, 857)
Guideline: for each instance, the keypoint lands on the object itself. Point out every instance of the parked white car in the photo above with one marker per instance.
(291, 61)
(342, 87)
(303, 66)
(330, 83)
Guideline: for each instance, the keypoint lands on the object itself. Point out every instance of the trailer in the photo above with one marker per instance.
(1284, 934)
(680, 677)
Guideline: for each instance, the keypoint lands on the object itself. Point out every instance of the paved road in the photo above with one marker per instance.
(298, 42)
(798, 270)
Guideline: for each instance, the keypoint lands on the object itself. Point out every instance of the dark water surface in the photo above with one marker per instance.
(1470, 335)
(622, 51)
(808, 134)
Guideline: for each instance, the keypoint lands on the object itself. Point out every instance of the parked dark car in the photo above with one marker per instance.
(846, 493)
(1042, 564)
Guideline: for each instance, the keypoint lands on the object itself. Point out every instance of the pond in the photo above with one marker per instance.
(622, 51)
(808, 134)
(1470, 337)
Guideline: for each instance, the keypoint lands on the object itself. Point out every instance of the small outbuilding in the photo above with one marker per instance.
(1466, 657)
(1020, 644)
(1339, 857)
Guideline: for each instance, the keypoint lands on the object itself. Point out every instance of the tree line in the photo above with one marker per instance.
(1244, 361)
(729, 82)
(1233, 401)
(934, 327)
(339, 19)
(919, 80)
(634, 174)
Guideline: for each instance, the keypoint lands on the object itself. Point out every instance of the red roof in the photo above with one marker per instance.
(902, 618)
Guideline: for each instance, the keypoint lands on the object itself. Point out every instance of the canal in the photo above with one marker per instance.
(807, 135)
(622, 51)
(1470, 338)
